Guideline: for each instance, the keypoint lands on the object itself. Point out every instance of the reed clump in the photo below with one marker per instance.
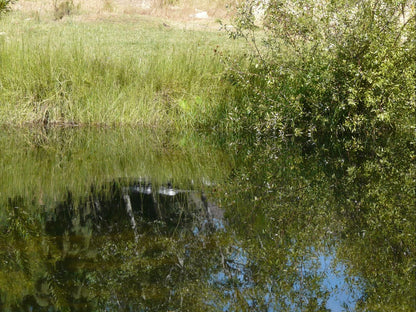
(138, 72)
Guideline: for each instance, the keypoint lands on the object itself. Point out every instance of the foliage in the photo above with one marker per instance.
(338, 77)
(327, 71)
(5, 5)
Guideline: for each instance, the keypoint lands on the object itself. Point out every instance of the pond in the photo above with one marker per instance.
(97, 219)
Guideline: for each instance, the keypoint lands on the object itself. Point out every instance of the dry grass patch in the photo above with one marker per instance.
(185, 11)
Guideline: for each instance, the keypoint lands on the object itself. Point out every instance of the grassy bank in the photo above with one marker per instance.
(135, 70)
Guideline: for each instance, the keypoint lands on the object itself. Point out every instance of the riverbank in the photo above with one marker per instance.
(118, 69)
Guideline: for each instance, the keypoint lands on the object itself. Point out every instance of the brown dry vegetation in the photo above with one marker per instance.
(178, 11)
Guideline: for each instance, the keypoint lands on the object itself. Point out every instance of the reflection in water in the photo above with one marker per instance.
(113, 220)
(358, 213)
(342, 295)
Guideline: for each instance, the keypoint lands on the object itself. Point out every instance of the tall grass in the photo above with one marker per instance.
(138, 72)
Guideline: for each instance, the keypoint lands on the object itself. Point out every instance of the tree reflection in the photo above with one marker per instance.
(297, 205)
(83, 256)
(292, 218)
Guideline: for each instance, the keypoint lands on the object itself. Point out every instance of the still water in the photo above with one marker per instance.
(129, 220)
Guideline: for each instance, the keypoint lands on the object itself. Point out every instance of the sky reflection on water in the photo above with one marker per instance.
(77, 237)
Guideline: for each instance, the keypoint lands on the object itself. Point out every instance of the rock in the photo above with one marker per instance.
(200, 14)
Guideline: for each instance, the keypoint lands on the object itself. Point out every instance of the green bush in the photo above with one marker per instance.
(327, 72)
(5, 5)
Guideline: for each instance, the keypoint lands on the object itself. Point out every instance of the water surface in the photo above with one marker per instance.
(128, 220)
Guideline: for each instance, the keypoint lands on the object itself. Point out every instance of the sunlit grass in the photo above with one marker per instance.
(136, 72)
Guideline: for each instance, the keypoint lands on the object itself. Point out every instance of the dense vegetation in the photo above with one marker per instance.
(317, 106)
(109, 72)
(333, 80)
(5, 5)
(328, 71)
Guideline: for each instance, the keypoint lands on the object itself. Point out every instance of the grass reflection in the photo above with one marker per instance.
(44, 164)
(295, 236)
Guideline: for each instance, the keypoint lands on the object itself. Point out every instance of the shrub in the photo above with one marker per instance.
(5, 5)
(327, 72)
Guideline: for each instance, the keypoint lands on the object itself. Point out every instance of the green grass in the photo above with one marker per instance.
(112, 72)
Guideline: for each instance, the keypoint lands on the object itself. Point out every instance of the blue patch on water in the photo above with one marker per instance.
(344, 290)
